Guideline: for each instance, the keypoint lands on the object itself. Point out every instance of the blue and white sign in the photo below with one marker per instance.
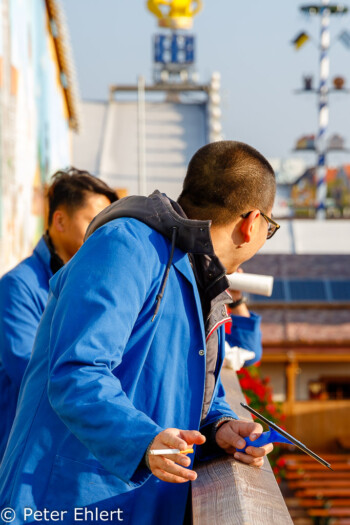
(174, 49)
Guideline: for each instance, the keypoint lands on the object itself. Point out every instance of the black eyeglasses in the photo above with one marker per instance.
(272, 226)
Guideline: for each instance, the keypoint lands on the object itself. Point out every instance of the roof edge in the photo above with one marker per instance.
(59, 31)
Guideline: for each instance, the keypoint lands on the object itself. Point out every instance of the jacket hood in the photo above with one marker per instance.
(163, 215)
(191, 236)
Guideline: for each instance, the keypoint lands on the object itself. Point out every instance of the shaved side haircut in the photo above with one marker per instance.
(226, 179)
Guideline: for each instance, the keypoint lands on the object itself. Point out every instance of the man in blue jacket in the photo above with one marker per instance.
(74, 198)
(128, 353)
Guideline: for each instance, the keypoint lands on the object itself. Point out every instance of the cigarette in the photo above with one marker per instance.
(166, 451)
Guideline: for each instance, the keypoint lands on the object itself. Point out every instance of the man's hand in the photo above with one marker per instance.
(171, 468)
(230, 436)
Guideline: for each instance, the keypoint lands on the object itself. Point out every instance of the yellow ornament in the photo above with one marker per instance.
(175, 14)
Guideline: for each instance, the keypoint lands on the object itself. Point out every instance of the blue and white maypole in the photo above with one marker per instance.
(321, 144)
(325, 10)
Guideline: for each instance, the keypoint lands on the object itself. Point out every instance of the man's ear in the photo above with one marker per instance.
(59, 220)
(248, 225)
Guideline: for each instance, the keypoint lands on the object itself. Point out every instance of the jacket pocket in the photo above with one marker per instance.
(77, 488)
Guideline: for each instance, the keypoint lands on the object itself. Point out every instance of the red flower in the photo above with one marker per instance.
(281, 462)
(245, 383)
(259, 391)
(271, 408)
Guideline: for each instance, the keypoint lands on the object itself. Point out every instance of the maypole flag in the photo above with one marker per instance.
(300, 40)
(345, 38)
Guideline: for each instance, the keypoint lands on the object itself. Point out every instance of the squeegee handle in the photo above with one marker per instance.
(271, 436)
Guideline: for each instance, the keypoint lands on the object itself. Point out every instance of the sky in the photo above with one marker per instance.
(248, 42)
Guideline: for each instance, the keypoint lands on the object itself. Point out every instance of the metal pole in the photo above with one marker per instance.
(141, 134)
(215, 128)
(321, 188)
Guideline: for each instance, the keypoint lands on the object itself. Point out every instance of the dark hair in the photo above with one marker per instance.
(69, 189)
(225, 179)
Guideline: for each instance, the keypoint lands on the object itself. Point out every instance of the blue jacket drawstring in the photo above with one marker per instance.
(166, 274)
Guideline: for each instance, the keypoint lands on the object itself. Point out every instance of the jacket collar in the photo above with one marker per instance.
(56, 262)
(42, 251)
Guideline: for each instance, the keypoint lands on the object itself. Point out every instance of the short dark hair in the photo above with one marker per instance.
(69, 188)
(225, 179)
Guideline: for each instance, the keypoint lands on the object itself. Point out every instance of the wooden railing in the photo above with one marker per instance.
(228, 492)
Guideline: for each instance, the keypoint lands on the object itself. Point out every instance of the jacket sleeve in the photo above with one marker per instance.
(246, 333)
(105, 288)
(219, 409)
(19, 320)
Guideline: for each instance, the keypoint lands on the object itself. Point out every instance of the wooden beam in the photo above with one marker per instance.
(64, 60)
(161, 88)
(228, 492)
(341, 344)
(304, 358)
(270, 304)
(291, 372)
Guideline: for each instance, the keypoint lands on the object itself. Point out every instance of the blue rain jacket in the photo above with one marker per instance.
(23, 297)
(104, 380)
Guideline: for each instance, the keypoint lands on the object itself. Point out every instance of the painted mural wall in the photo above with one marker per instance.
(34, 128)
